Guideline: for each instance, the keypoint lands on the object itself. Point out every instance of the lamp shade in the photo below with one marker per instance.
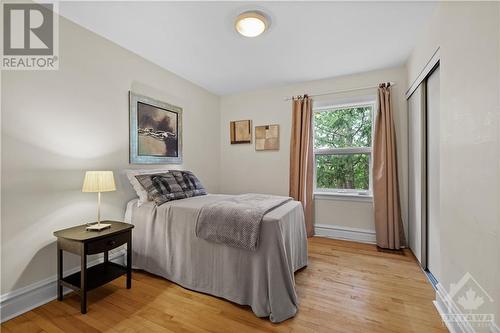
(99, 181)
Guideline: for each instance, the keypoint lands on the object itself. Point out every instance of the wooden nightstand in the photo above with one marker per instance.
(79, 241)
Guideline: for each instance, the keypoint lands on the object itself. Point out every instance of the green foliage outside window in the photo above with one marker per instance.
(343, 128)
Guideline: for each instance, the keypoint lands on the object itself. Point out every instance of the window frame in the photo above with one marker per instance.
(332, 107)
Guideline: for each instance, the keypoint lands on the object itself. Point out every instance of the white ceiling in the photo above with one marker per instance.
(306, 41)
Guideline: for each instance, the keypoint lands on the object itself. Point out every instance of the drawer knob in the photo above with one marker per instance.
(112, 242)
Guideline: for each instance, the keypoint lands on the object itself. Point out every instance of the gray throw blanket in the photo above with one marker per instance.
(236, 221)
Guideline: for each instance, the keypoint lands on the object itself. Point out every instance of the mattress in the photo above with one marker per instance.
(165, 244)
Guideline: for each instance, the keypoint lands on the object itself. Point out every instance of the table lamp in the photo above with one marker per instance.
(98, 181)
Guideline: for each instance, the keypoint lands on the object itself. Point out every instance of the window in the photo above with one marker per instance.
(343, 148)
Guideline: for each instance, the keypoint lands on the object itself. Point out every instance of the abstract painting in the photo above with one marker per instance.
(155, 131)
(241, 131)
(267, 137)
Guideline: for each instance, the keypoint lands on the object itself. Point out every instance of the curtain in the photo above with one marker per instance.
(301, 158)
(388, 224)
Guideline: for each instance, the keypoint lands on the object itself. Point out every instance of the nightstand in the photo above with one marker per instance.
(79, 241)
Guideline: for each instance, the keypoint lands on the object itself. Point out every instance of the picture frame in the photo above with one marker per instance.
(240, 131)
(267, 137)
(155, 131)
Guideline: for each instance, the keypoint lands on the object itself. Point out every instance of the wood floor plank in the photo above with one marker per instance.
(347, 287)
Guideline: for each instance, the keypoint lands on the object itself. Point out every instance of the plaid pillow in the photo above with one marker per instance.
(161, 187)
(183, 182)
(194, 183)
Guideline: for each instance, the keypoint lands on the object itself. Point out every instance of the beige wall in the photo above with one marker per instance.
(468, 35)
(245, 170)
(57, 124)
(346, 212)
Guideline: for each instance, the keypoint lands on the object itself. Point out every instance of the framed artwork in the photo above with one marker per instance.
(267, 137)
(241, 131)
(155, 131)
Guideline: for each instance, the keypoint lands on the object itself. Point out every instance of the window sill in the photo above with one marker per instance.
(339, 196)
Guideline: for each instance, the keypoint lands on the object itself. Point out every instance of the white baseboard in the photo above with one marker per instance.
(19, 301)
(345, 233)
(446, 306)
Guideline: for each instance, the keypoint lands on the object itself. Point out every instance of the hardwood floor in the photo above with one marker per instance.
(347, 287)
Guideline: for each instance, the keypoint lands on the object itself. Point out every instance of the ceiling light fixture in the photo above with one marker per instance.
(251, 23)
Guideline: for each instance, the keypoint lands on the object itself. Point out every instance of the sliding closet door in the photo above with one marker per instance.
(433, 248)
(415, 155)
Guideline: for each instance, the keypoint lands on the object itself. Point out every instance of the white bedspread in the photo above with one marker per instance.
(165, 244)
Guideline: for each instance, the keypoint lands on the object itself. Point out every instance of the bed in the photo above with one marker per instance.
(165, 244)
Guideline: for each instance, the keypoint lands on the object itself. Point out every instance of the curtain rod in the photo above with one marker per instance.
(341, 91)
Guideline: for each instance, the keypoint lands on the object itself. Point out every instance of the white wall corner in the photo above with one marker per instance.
(447, 307)
(345, 233)
(19, 301)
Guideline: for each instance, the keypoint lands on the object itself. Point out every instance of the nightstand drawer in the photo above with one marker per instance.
(107, 243)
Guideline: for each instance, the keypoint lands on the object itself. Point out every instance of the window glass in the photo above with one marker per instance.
(343, 172)
(342, 128)
(342, 148)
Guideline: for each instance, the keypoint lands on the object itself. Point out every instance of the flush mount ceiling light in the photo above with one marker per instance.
(251, 23)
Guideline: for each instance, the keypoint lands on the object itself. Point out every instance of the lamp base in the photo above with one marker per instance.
(97, 227)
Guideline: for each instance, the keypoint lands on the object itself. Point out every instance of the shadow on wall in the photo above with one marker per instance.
(38, 262)
(41, 193)
(35, 264)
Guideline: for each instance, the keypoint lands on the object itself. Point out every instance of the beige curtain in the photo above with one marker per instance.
(388, 224)
(301, 158)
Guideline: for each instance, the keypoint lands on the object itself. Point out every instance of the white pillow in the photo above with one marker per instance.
(141, 192)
